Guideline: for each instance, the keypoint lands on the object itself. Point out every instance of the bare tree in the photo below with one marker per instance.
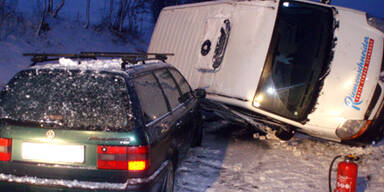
(2, 6)
(50, 6)
(110, 13)
(129, 12)
(157, 6)
(58, 8)
(9, 19)
(43, 14)
(87, 13)
(52, 10)
(122, 13)
(2, 9)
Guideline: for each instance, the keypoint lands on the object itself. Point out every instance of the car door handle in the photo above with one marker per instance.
(178, 124)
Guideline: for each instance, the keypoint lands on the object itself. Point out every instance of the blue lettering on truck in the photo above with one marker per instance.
(354, 99)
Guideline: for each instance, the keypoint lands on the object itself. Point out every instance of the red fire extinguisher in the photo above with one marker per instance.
(346, 174)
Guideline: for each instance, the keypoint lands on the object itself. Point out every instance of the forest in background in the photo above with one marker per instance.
(130, 17)
(74, 25)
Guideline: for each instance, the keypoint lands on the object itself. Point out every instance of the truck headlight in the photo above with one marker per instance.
(351, 129)
(375, 22)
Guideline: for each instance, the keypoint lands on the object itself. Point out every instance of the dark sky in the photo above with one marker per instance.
(373, 7)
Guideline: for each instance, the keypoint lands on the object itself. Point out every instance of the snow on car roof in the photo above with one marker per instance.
(113, 65)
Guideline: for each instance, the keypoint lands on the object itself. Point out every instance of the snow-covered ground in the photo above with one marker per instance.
(238, 162)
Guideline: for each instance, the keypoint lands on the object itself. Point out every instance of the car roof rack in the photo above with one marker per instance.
(126, 57)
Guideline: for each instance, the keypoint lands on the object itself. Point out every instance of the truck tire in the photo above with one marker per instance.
(284, 134)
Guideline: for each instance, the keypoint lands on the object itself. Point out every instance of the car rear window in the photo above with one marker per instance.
(68, 99)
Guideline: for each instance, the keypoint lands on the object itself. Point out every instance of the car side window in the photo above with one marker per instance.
(169, 86)
(151, 98)
(186, 91)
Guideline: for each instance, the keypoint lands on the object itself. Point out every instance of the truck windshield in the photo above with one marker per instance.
(67, 99)
(297, 61)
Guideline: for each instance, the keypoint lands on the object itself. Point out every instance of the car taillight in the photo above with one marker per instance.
(5, 149)
(131, 158)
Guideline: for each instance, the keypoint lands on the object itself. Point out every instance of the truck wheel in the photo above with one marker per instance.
(284, 134)
(169, 180)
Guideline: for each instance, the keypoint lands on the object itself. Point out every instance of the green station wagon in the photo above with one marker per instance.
(82, 123)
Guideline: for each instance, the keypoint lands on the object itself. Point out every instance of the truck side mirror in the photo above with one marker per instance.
(200, 93)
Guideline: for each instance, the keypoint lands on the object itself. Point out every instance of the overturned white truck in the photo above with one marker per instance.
(294, 65)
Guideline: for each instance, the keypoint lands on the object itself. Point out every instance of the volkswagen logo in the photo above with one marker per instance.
(50, 134)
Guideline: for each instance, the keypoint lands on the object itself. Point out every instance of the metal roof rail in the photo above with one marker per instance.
(126, 57)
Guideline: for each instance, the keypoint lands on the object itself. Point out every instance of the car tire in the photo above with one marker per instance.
(169, 180)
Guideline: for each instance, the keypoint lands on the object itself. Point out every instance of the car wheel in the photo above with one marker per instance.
(169, 180)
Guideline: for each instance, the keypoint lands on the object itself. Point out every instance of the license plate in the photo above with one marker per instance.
(52, 153)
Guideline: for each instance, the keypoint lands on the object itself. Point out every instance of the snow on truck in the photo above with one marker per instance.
(294, 65)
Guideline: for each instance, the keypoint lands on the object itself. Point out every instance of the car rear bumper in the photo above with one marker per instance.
(27, 183)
